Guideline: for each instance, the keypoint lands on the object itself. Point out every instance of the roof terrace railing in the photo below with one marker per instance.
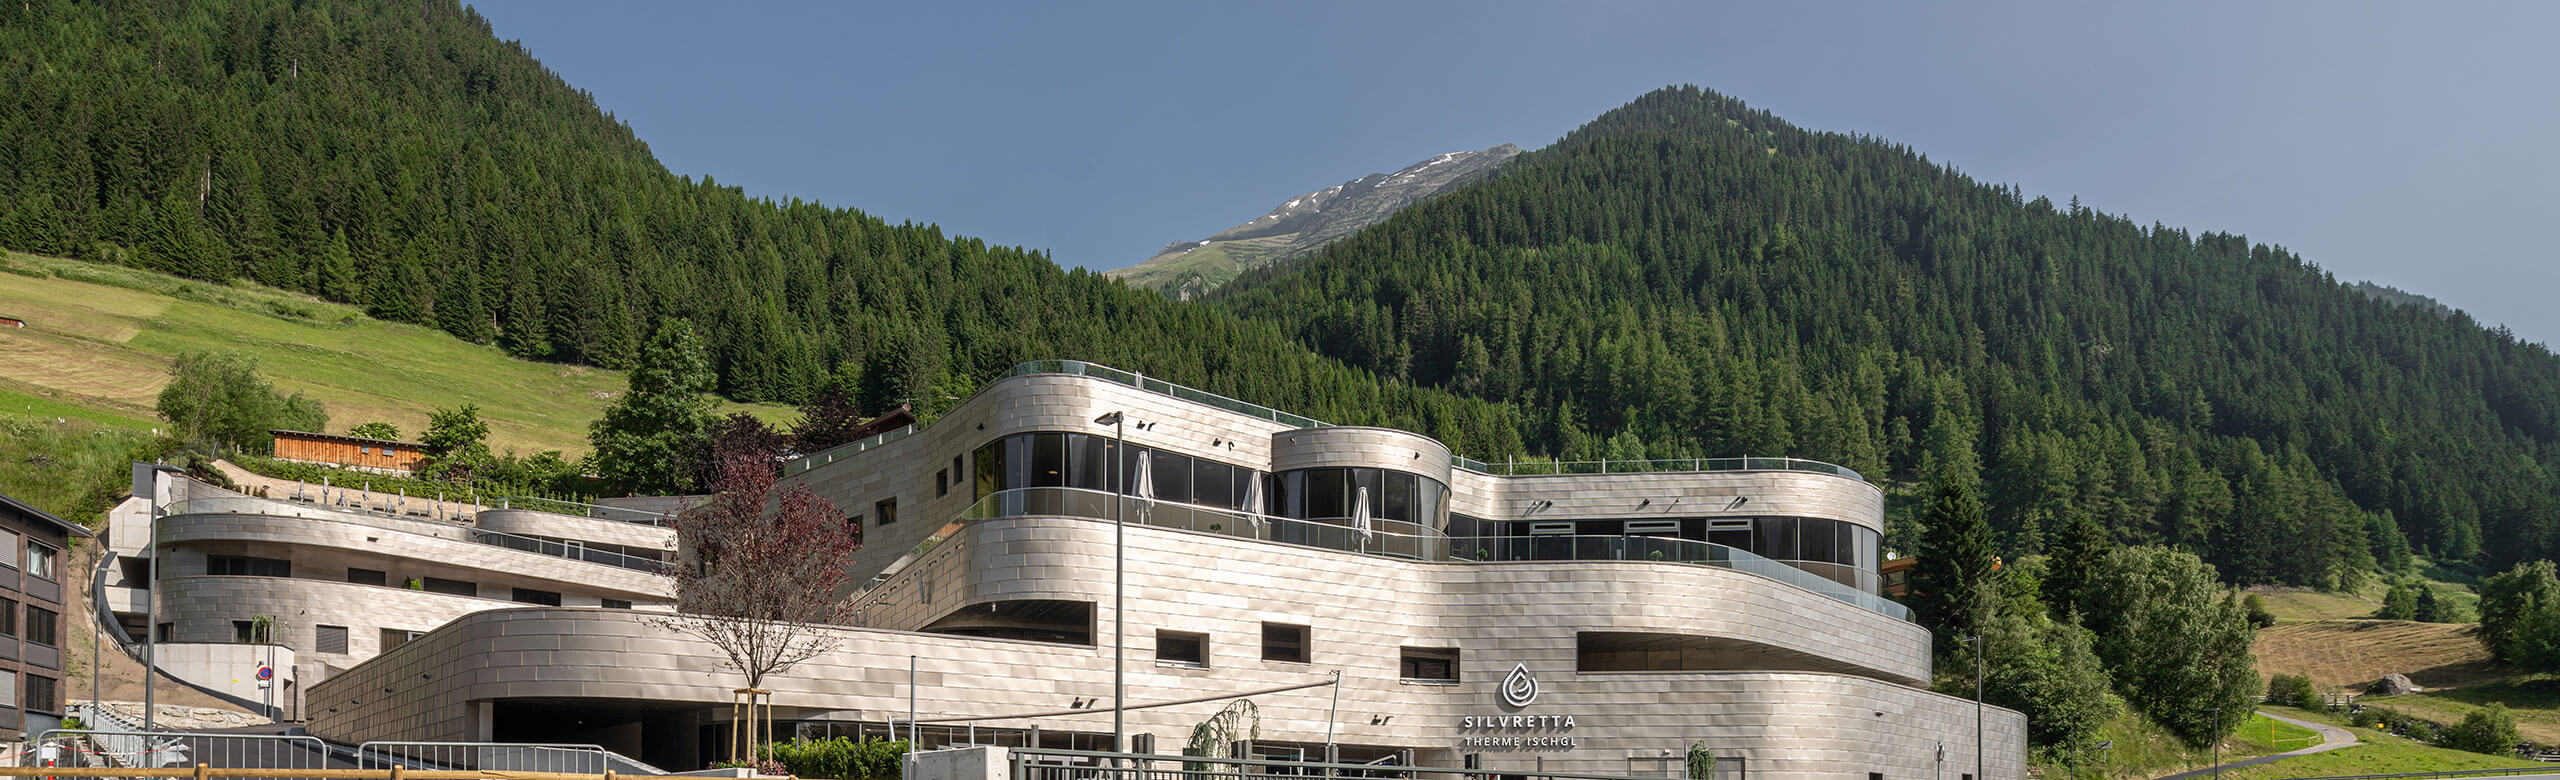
(578, 509)
(1206, 398)
(1412, 541)
(242, 505)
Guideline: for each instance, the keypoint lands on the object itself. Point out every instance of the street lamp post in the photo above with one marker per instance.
(1976, 641)
(1119, 577)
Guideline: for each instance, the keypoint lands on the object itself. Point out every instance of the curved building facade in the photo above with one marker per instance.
(1644, 607)
(312, 583)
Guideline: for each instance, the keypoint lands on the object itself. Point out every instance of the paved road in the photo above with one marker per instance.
(2331, 738)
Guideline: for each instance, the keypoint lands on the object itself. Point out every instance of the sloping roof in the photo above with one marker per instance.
(346, 439)
(74, 529)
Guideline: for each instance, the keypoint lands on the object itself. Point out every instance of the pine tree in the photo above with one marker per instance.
(1950, 583)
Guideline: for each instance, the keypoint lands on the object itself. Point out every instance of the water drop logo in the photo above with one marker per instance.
(1518, 688)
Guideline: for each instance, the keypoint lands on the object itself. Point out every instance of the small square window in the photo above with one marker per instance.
(887, 510)
(1182, 648)
(329, 639)
(43, 626)
(395, 637)
(1284, 642)
(1428, 664)
(40, 561)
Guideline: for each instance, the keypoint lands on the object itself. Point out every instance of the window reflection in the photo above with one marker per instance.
(1079, 460)
(1331, 493)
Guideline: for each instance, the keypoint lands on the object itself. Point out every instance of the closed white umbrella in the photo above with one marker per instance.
(1142, 487)
(1253, 501)
(1360, 515)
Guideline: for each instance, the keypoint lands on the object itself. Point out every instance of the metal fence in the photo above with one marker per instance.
(1050, 764)
(133, 749)
(486, 756)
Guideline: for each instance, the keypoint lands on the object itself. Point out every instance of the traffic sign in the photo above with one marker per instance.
(266, 673)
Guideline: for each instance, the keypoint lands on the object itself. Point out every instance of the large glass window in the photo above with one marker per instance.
(1774, 538)
(1171, 474)
(1213, 483)
(1048, 460)
(1087, 460)
(1333, 493)
(1328, 493)
(1078, 460)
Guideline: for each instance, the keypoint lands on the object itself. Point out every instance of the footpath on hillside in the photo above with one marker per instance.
(2331, 738)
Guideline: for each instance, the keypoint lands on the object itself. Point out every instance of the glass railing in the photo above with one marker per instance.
(846, 450)
(242, 505)
(1399, 539)
(1258, 411)
(576, 509)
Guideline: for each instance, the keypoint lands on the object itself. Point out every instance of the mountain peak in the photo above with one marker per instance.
(1306, 222)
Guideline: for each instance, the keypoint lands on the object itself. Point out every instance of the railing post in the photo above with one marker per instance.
(200, 767)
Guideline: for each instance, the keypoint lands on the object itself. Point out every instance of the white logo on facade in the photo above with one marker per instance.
(1519, 689)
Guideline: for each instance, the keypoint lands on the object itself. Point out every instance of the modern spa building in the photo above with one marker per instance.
(1601, 621)
(306, 580)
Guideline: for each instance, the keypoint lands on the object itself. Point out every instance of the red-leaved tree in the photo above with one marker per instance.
(763, 572)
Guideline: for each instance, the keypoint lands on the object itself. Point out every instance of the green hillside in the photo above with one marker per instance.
(1687, 274)
(404, 161)
(99, 340)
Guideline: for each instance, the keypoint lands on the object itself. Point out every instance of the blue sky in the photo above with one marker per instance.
(2416, 145)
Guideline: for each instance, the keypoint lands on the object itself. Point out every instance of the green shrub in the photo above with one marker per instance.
(839, 758)
(2490, 730)
(2294, 690)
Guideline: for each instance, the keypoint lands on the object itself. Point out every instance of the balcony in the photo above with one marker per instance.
(1258, 411)
(261, 507)
(1411, 541)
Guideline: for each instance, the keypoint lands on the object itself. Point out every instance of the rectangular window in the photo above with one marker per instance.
(329, 639)
(246, 632)
(168, 630)
(853, 525)
(39, 561)
(451, 587)
(1182, 648)
(542, 597)
(8, 690)
(368, 576)
(395, 637)
(942, 483)
(8, 618)
(958, 472)
(1284, 642)
(1088, 462)
(1171, 473)
(40, 695)
(247, 566)
(616, 604)
(1048, 460)
(989, 466)
(1775, 538)
(887, 510)
(1213, 483)
(8, 541)
(1428, 664)
(43, 626)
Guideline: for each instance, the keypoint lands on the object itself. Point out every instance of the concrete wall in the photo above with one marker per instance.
(1783, 724)
(232, 669)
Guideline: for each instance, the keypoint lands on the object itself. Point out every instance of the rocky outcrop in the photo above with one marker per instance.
(1186, 269)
